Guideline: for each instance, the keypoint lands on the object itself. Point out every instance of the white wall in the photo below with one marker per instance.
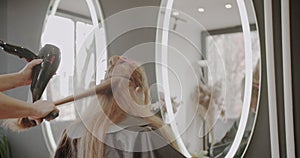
(183, 59)
(184, 50)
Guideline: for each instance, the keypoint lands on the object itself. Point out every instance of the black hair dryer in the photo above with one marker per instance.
(43, 72)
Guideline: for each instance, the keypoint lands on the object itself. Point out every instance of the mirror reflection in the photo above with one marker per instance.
(202, 45)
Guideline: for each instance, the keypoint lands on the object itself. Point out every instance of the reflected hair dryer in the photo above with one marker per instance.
(42, 73)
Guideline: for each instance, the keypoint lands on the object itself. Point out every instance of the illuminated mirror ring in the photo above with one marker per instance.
(74, 27)
(248, 69)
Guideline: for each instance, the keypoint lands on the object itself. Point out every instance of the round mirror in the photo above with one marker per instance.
(207, 67)
(208, 74)
(74, 26)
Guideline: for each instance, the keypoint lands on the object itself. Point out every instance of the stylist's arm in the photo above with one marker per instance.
(14, 108)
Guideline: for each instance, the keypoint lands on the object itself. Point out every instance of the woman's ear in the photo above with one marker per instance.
(139, 92)
(138, 89)
(139, 95)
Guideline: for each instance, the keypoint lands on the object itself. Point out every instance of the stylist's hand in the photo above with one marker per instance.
(26, 72)
(42, 109)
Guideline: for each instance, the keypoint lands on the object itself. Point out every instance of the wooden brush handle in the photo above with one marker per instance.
(101, 88)
(64, 100)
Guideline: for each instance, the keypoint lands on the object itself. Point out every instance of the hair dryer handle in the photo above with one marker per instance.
(52, 115)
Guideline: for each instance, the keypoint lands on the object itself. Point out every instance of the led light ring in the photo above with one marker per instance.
(46, 127)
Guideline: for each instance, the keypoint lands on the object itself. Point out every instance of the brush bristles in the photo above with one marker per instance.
(19, 124)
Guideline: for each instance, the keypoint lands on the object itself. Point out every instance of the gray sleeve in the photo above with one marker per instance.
(139, 142)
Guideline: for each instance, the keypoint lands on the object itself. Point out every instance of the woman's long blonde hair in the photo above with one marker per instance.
(130, 94)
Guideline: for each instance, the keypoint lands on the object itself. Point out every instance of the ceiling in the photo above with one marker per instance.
(215, 14)
(74, 7)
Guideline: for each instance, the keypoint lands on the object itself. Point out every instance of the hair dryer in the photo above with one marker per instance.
(42, 73)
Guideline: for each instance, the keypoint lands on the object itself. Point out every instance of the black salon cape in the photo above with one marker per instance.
(150, 143)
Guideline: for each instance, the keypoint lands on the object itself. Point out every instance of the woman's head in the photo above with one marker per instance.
(131, 77)
(128, 96)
